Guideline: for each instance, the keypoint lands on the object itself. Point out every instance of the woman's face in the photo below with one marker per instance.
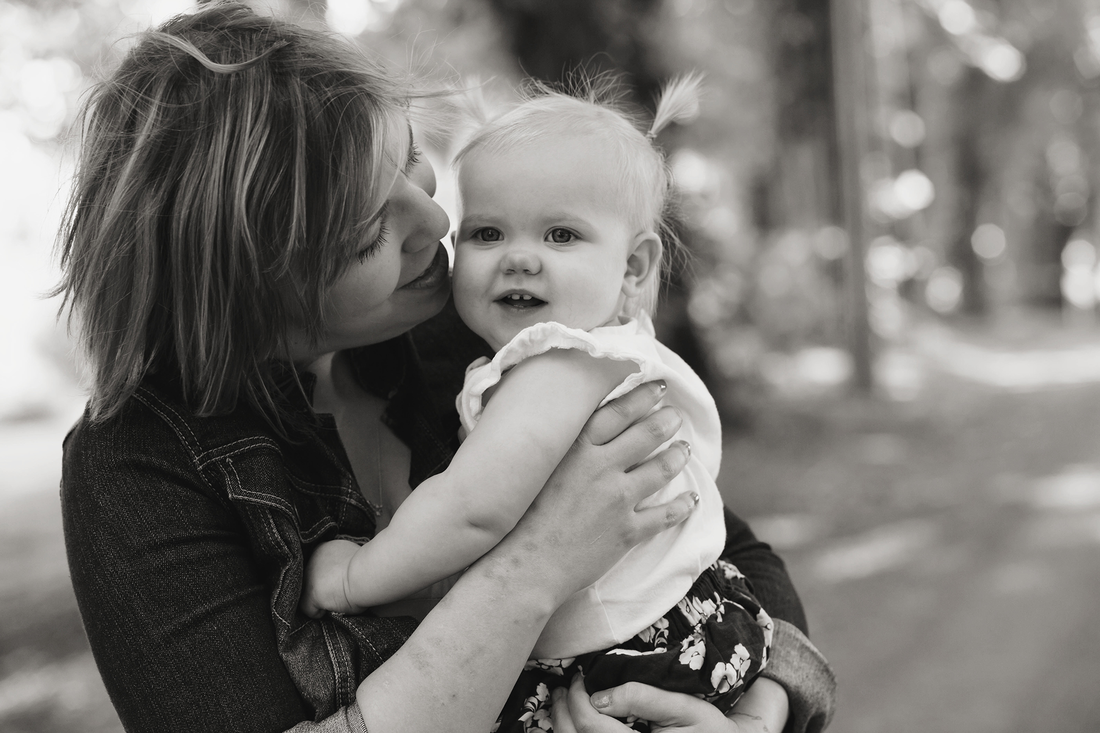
(400, 278)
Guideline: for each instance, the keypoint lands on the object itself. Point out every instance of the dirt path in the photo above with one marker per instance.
(947, 550)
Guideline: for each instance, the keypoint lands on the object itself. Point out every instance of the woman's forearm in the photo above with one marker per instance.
(492, 480)
(794, 663)
(765, 702)
(456, 670)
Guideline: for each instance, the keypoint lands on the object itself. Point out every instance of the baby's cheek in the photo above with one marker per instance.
(467, 303)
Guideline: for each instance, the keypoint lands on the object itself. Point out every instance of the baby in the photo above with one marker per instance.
(558, 259)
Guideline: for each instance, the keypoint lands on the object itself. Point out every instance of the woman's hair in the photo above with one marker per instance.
(229, 167)
(590, 107)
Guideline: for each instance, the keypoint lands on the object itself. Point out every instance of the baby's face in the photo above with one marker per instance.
(541, 237)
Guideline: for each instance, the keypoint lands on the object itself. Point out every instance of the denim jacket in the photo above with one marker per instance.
(187, 535)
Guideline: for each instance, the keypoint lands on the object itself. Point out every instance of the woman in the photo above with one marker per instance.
(250, 244)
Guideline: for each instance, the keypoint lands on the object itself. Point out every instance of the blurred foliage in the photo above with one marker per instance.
(980, 122)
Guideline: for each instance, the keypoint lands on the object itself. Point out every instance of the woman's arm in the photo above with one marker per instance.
(175, 607)
(796, 692)
(179, 613)
(457, 669)
(766, 571)
(795, 663)
(536, 412)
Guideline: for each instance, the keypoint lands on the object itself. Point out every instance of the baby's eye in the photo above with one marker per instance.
(561, 236)
(489, 234)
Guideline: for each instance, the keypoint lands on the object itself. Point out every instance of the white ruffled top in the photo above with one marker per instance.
(655, 575)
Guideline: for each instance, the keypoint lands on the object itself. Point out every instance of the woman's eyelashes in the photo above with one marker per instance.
(380, 239)
(414, 157)
(373, 248)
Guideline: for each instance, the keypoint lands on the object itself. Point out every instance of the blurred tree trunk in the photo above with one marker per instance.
(971, 178)
(805, 118)
(849, 64)
(550, 40)
(814, 180)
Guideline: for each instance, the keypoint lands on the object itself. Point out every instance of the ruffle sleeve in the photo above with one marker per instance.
(622, 343)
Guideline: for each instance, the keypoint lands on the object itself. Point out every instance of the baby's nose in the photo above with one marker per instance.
(520, 259)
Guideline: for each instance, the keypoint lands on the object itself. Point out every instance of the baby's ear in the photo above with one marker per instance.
(641, 263)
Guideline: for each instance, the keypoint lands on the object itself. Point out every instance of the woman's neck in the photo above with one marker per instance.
(379, 460)
(326, 393)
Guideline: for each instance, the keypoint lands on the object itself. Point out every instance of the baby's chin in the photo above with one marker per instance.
(495, 337)
(498, 338)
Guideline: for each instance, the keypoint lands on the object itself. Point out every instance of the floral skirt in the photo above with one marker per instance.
(711, 645)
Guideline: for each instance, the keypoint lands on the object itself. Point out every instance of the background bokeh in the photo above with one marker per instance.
(890, 210)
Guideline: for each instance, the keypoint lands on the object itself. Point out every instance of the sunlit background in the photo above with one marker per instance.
(891, 213)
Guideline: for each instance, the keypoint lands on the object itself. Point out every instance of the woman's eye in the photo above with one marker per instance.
(561, 236)
(414, 157)
(489, 234)
(374, 247)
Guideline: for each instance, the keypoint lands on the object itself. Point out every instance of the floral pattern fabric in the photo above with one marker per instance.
(712, 644)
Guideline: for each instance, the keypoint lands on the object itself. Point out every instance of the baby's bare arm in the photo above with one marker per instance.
(536, 413)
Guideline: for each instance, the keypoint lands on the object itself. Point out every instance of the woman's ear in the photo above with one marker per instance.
(641, 263)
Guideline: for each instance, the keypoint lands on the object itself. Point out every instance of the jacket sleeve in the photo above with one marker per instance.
(174, 603)
(765, 570)
(795, 663)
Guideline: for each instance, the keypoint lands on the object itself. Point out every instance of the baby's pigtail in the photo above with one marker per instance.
(678, 102)
(472, 102)
(472, 111)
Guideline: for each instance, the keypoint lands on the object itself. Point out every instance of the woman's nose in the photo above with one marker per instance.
(430, 222)
(520, 259)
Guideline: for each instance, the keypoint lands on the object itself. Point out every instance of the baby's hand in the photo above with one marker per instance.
(325, 587)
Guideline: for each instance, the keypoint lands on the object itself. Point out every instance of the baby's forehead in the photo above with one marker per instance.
(576, 149)
(572, 161)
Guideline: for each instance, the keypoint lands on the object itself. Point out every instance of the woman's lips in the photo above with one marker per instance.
(434, 275)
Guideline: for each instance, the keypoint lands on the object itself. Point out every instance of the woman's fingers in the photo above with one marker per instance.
(654, 519)
(581, 716)
(663, 709)
(616, 416)
(641, 701)
(655, 473)
(559, 712)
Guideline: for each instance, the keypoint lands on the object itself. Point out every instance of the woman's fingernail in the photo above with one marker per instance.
(694, 499)
(687, 447)
(662, 385)
(601, 701)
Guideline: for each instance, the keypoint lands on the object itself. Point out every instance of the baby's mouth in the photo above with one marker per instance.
(520, 301)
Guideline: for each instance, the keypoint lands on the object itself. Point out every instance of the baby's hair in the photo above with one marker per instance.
(593, 106)
(228, 171)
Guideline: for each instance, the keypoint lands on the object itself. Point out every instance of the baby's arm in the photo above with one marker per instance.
(535, 414)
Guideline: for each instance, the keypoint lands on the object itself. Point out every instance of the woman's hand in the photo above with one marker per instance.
(586, 518)
(575, 711)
